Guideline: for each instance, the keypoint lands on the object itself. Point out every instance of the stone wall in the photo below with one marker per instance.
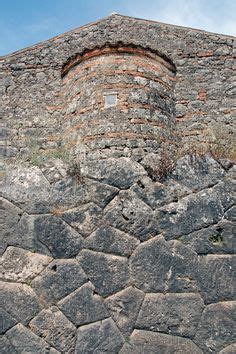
(111, 241)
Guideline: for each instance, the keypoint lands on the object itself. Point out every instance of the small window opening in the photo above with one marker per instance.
(110, 100)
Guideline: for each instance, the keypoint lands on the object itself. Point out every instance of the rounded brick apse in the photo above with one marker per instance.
(118, 101)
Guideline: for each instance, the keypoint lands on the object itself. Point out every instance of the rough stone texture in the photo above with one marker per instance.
(21, 266)
(108, 273)
(20, 301)
(109, 240)
(124, 307)
(176, 314)
(217, 327)
(6, 321)
(129, 214)
(116, 186)
(148, 342)
(6, 346)
(99, 337)
(58, 280)
(55, 328)
(159, 266)
(62, 240)
(24, 340)
(83, 306)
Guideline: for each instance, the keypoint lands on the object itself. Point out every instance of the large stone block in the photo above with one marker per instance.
(19, 265)
(109, 240)
(148, 342)
(20, 301)
(99, 337)
(61, 239)
(124, 307)
(176, 314)
(56, 329)
(59, 279)
(216, 329)
(108, 273)
(83, 306)
(160, 266)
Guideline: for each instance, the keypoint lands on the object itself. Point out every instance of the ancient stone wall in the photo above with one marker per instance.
(110, 240)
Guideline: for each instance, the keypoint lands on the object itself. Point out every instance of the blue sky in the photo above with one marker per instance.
(26, 22)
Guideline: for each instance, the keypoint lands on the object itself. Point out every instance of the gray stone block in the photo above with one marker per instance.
(61, 239)
(59, 279)
(6, 321)
(131, 215)
(109, 240)
(56, 329)
(24, 341)
(142, 342)
(99, 337)
(160, 266)
(84, 219)
(20, 301)
(124, 307)
(19, 265)
(83, 306)
(175, 314)
(216, 329)
(108, 273)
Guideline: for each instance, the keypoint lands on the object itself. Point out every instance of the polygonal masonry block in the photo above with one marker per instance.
(22, 266)
(108, 273)
(59, 279)
(124, 307)
(20, 301)
(142, 342)
(110, 240)
(55, 328)
(83, 306)
(176, 314)
(99, 337)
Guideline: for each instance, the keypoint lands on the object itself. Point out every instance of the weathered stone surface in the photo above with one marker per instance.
(59, 279)
(6, 321)
(124, 307)
(21, 266)
(120, 173)
(217, 327)
(109, 240)
(56, 329)
(158, 265)
(83, 306)
(25, 236)
(215, 276)
(19, 300)
(230, 214)
(130, 214)
(231, 349)
(108, 273)
(156, 194)
(176, 314)
(24, 341)
(149, 342)
(61, 239)
(197, 172)
(191, 213)
(24, 181)
(99, 193)
(214, 239)
(6, 346)
(10, 216)
(99, 337)
(84, 219)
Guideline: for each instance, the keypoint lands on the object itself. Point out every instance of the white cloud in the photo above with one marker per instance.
(212, 15)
